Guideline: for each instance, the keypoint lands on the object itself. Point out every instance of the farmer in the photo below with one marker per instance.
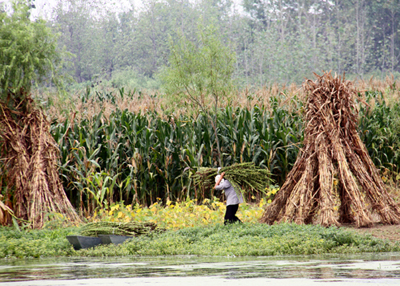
(232, 199)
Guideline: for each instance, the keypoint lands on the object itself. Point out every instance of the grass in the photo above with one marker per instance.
(254, 240)
(248, 239)
(206, 237)
(35, 243)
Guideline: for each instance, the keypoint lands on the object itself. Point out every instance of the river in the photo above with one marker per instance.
(361, 269)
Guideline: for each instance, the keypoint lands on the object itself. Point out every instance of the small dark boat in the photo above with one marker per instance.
(81, 242)
(112, 238)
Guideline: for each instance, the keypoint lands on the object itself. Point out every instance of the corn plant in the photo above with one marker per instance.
(379, 129)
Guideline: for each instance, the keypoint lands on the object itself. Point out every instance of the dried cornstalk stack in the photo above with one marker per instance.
(333, 180)
(30, 155)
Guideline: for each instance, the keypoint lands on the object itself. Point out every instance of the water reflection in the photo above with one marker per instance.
(363, 266)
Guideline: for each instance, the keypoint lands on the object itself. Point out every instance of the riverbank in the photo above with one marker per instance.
(247, 239)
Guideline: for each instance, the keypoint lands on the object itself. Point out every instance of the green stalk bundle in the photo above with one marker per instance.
(118, 228)
(240, 175)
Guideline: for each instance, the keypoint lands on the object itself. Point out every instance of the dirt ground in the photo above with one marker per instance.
(391, 232)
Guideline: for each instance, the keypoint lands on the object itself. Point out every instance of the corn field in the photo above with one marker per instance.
(113, 155)
(138, 157)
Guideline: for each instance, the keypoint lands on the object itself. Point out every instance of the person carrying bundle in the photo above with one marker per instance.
(232, 199)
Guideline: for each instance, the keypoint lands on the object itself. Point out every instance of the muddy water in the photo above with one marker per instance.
(362, 269)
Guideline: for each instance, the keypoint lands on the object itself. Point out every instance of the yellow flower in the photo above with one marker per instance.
(180, 214)
(115, 207)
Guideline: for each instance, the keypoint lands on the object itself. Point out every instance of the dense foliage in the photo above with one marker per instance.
(275, 41)
(28, 52)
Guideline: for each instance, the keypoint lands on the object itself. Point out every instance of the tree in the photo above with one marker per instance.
(28, 52)
(28, 56)
(201, 71)
(81, 35)
(384, 23)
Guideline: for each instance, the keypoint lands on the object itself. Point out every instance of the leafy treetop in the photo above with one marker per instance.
(28, 51)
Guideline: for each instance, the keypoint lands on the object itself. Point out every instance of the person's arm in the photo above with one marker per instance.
(220, 179)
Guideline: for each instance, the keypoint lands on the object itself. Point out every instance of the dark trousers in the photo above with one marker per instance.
(230, 215)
